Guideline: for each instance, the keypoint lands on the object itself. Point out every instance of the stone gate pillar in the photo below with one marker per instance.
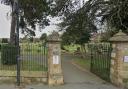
(119, 61)
(55, 75)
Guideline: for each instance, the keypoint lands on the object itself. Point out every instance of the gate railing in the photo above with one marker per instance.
(33, 57)
(100, 59)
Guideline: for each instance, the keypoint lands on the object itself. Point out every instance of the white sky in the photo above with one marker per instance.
(4, 21)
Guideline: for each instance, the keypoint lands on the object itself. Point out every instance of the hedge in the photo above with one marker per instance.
(8, 54)
(4, 40)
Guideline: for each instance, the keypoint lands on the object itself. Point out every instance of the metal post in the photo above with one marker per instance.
(17, 43)
(91, 54)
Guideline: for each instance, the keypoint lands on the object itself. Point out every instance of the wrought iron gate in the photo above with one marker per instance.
(101, 59)
(33, 59)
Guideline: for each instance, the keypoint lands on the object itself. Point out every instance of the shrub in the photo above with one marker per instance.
(4, 40)
(39, 45)
(8, 54)
(38, 50)
(28, 49)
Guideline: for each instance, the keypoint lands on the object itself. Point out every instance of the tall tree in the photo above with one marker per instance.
(75, 23)
(112, 12)
(33, 12)
(78, 28)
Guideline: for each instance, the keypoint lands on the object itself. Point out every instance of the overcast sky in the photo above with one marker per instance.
(4, 21)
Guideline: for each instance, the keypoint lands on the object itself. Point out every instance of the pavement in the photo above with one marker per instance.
(74, 78)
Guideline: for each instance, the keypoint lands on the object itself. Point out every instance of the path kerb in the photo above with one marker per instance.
(55, 74)
(119, 61)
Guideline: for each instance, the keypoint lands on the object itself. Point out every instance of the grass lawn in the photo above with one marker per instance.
(85, 63)
(32, 65)
(71, 48)
(26, 65)
(33, 48)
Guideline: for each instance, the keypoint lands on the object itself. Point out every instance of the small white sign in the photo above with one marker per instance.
(125, 58)
(113, 55)
(55, 59)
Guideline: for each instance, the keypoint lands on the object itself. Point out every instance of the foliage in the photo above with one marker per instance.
(112, 12)
(31, 39)
(33, 48)
(77, 25)
(4, 40)
(105, 36)
(32, 12)
(66, 7)
(8, 54)
(43, 37)
(67, 39)
(71, 48)
(35, 12)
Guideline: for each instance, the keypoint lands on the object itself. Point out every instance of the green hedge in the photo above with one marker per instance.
(8, 54)
(4, 40)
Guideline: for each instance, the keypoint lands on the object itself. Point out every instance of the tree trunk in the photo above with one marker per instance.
(83, 51)
(12, 30)
(13, 23)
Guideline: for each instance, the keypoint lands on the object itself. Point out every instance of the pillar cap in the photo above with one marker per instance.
(119, 37)
(54, 37)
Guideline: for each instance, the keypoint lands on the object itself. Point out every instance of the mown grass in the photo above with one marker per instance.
(85, 63)
(25, 65)
(33, 48)
(71, 48)
(33, 65)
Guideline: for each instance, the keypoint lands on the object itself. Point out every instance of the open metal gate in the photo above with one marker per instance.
(101, 59)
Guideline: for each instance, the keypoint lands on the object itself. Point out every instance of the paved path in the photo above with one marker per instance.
(74, 79)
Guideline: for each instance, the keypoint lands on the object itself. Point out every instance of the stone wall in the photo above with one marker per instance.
(27, 77)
